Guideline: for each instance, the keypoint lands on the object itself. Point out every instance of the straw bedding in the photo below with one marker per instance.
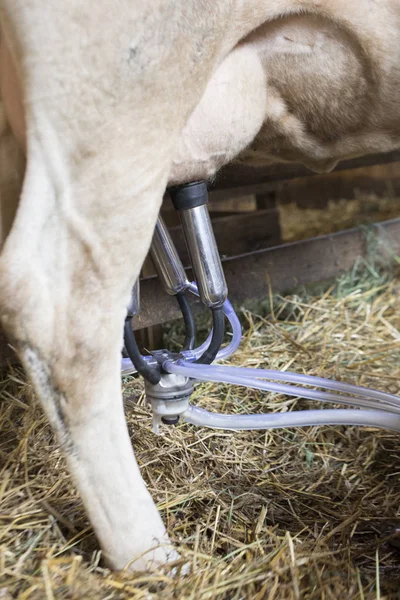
(289, 514)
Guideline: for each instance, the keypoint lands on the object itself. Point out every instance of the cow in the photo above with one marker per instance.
(113, 101)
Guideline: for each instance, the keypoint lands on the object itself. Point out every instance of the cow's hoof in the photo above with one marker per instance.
(159, 557)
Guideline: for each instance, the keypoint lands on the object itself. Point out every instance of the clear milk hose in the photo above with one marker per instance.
(379, 409)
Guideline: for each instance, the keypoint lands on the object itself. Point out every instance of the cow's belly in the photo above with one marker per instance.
(298, 89)
(326, 98)
(322, 95)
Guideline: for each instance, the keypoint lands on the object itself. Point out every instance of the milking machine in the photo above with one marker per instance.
(170, 377)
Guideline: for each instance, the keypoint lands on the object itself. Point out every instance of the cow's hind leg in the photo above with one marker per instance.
(106, 95)
(100, 130)
(66, 271)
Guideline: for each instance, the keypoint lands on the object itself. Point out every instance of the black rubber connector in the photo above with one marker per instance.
(150, 373)
(189, 195)
(170, 420)
(217, 337)
(190, 338)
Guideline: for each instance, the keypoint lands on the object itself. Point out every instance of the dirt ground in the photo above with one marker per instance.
(288, 514)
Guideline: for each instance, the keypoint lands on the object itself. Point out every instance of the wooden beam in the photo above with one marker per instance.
(237, 234)
(239, 180)
(285, 267)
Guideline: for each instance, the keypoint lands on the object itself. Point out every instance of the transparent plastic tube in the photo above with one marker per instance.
(191, 355)
(228, 375)
(302, 418)
(127, 366)
(284, 376)
(339, 386)
(236, 332)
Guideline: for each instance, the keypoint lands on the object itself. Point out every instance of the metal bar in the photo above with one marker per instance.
(285, 267)
(166, 260)
(204, 255)
(238, 233)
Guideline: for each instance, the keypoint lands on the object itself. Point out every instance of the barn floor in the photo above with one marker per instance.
(281, 515)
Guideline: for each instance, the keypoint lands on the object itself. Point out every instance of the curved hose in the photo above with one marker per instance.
(385, 407)
(152, 375)
(236, 333)
(289, 377)
(217, 337)
(301, 418)
(188, 319)
(371, 398)
(225, 375)
(193, 355)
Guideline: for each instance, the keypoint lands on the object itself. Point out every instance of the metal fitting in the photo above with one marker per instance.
(191, 202)
(204, 255)
(169, 398)
(166, 260)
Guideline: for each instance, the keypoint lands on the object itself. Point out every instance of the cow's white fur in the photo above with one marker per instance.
(226, 120)
(120, 98)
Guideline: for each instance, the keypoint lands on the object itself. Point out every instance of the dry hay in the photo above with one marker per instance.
(303, 513)
(301, 223)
